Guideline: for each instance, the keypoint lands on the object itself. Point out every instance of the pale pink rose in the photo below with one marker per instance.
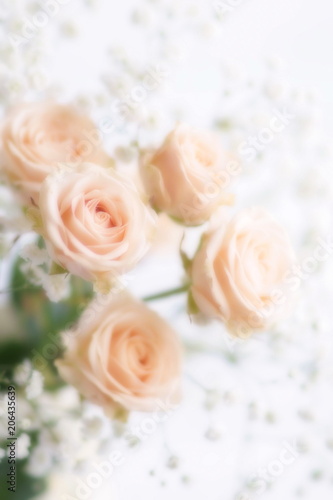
(94, 222)
(188, 175)
(123, 354)
(239, 273)
(37, 137)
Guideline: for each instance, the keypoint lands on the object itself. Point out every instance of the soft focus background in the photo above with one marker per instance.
(256, 417)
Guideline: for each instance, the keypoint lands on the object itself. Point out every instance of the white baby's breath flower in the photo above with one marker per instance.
(23, 372)
(40, 461)
(67, 399)
(3, 404)
(33, 273)
(23, 444)
(35, 385)
(12, 218)
(73, 445)
(93, 426)
(35, 255)
(27, 418)
(56, 405)
(26, 424)
(68, 431)
(57, 287)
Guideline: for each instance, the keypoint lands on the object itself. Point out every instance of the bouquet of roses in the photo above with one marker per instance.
(93, 224)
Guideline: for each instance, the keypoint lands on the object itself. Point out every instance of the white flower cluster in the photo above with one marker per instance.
(37, 265)
(22, 50)
(69, 432)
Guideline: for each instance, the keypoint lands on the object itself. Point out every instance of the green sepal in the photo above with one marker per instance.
(57, 269)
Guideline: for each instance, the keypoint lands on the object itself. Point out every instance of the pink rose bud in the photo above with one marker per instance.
(188, 175)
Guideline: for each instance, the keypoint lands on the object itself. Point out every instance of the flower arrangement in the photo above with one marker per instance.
(96, 225)
(91, 358)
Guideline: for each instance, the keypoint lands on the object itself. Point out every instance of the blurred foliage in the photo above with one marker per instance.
(27, 487)
(39, 322)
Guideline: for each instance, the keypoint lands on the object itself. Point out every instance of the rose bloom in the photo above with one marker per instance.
(123, 354)
(94, 222)
(38, 137)
(187, 176)
(239, 272)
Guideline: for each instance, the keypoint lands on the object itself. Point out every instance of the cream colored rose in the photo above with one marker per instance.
(94, 222)
(239, 272)
(188, 175)
(123, 354)
(38, 137)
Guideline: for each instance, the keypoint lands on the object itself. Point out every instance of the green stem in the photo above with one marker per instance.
(167, 293)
